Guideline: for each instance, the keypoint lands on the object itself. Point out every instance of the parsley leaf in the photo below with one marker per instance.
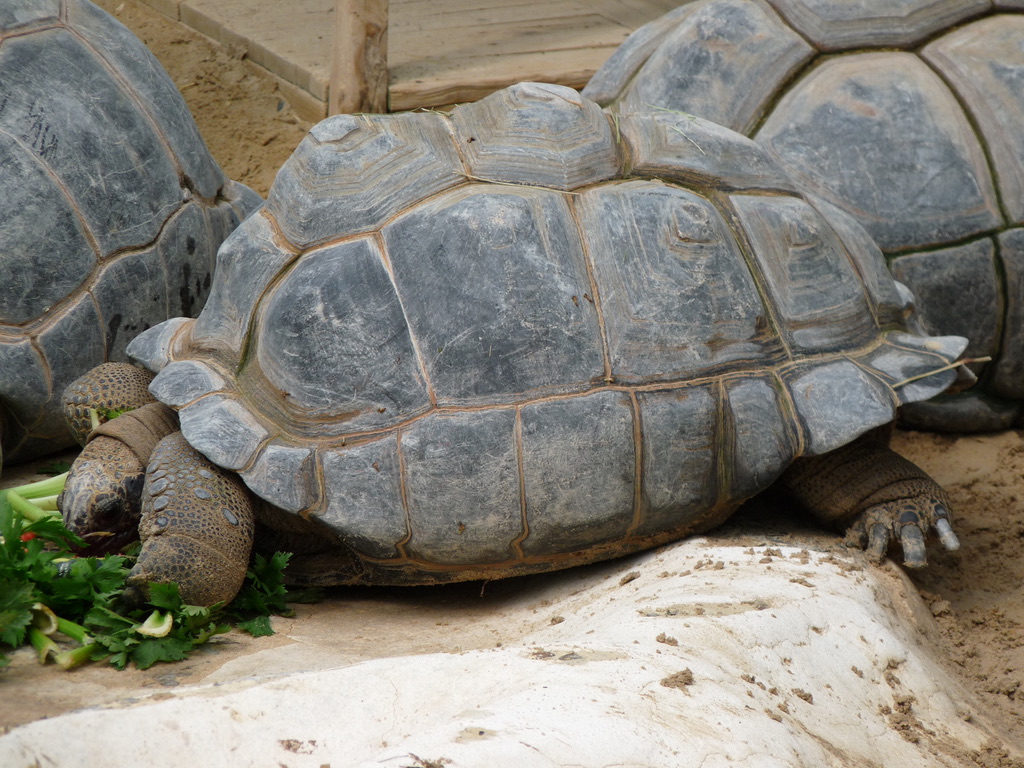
(37, 566)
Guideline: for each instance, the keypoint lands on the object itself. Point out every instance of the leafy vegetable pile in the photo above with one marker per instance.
(46, 592)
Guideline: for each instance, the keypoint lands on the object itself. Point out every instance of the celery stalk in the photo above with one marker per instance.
(76, 657)
(26, 508)
(44, 645)
(44, 619)
(156, 625)
(48, 487)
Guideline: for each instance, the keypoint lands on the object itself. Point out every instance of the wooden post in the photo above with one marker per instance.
(359, 57)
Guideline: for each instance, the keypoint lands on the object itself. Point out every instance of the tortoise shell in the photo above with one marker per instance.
(113, 208)
(905, 114)
(523, 336)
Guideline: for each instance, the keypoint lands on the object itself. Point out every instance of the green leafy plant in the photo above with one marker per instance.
(47, 592)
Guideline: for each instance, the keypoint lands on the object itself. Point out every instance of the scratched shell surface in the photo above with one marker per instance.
(113, 208)
(571, 339)
(922, 145)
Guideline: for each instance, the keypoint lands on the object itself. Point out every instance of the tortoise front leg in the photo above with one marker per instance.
(95, 396)
(877, 496)
(197, 528)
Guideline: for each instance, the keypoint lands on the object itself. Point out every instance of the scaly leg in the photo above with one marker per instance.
(877, 496)
(197, 528)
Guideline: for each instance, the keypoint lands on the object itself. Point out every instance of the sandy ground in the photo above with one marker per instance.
(975, 594)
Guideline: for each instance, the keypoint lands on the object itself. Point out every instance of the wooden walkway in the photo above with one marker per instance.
(439, 51)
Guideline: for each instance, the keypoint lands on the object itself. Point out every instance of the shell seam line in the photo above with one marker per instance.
(126, 87)
(979, 135)
(403, 493)
(421, 361)
(248, 340)
(608, 377)
(638, 465)
(724, 431)
(862, 278)
(791, 417)
(668, 386)
(59, 183)
(517, 438)
(1003, 328)
(732, 219)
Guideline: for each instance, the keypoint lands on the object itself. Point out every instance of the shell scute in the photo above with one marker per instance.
(91, 168)
(763, 440)
(333, 346)
(579, 472)
(507, 266)
(878, 23)
(455, 462)
(223, 429)
(31, 195)
(150, 86)
(835, 401)
(984, 61)
(963, 280)
(798, 253)
(717, 63)
(1009, 373)
(354, 172)
(680, 439)
(185, 381)
(677, 296)
(691, 150)
(363, 503)
(537, 133)
(285, 472)
(929, 182)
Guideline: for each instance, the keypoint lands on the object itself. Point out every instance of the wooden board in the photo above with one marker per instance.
(439, 51)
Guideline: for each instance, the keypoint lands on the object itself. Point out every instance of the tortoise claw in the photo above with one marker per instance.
(946, 535)
(905, 520)
(912, 540)
(878, 542)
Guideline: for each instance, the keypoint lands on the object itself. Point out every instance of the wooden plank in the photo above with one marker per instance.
(359, 61)
(434, 17)
(450, 81)
(513, 38)
(632, 13)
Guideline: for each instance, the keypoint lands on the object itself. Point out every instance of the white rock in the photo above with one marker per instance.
(693, 655)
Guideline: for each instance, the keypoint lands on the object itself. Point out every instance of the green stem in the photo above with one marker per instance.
(47, 487)
(29, 511)
(45, 647)
(44, 619)
(156, 625)
(76, 632)
(47, 503)
(76, 657)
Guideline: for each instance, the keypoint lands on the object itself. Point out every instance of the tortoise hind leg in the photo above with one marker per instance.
(877, 496)
(197, 529)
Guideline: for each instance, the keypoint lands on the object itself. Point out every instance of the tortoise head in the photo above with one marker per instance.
(102, 498)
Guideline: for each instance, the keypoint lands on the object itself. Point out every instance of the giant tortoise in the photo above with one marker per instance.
(113, 209)
(905, 114)
(512, 339)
